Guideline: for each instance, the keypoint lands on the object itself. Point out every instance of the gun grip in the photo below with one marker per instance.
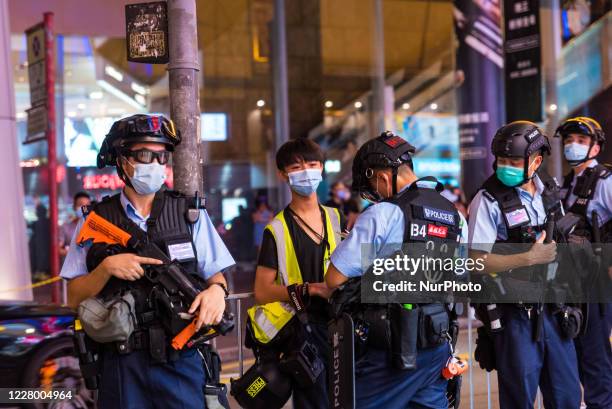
(179, 341)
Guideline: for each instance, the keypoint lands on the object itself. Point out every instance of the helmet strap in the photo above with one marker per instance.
(122, 174)
(394, 181)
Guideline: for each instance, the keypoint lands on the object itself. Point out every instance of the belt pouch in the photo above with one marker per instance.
(433, 325)
(404, 329)
(157, 345)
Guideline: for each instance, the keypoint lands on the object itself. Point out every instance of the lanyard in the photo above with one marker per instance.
(320, 236)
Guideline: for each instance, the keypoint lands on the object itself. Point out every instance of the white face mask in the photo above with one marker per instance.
(575, 152)
(148, 177)
(305, 182)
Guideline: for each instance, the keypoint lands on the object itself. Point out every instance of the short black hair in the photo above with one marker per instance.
(297, 150)
(79, 195)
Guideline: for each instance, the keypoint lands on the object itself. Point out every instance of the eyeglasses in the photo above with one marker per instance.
(153, 124)
(147, 156)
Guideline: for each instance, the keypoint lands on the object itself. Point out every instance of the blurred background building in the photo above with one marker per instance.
(354, 67)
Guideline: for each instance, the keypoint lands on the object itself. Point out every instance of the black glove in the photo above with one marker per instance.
(453, 391)
(299, 296)
(485, 350)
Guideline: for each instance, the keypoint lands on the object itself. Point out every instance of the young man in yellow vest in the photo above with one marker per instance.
(293, 260)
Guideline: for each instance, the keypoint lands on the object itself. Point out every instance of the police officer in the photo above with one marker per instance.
(513, 207)
(383, 173)
(293, 260)
(588, 193)
(140, 147)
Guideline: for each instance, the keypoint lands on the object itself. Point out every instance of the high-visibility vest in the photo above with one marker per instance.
(268, 319)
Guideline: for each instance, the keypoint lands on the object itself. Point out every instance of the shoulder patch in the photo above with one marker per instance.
(488, 196)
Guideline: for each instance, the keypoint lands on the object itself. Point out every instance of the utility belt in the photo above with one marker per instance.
(403, 329)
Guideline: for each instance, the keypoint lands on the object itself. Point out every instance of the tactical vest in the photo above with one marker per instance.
(167, 226)
(584, 190)
(268, 319)
(428, 216)
(515, 216)
(517, 221)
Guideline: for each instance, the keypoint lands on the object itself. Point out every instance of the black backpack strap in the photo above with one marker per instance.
(514, 212)
(551, 196)
(585, 187)
(156, 209)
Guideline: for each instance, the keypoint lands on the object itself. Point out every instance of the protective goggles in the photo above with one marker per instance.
(154, 124)
(147, 156)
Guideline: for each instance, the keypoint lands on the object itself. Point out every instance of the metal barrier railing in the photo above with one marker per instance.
(238, 299)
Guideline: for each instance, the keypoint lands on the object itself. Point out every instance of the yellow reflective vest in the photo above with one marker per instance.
(268, 319)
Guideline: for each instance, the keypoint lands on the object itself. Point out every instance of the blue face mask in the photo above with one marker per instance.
(305, 182)
(510, 176)
(343, 194)
(148, 177)
(575, 152)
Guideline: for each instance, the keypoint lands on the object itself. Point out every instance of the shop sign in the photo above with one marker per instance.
(147, 32)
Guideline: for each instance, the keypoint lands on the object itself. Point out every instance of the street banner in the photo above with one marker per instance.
(146, 27)
(480, 89)
(37, 73)
(522, 56)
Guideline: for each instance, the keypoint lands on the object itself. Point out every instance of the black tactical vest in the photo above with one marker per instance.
(428, 216)
(584, 190)
(516, 218)
(167, 226)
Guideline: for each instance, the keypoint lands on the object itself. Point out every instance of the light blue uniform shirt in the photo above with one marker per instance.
(487, 224)
(381, 228)
(212, 254)
(602, 198)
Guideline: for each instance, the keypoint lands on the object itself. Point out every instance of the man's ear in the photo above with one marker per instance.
(282, 175)
(595, 150)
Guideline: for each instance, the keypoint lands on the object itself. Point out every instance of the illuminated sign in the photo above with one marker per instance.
(214, 126)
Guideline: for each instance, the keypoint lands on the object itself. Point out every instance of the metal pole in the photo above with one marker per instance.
(550, 18)
(52, 153)
(239, 336)
(185, 94)
(378, 83)
(470, 369)
(281, 87)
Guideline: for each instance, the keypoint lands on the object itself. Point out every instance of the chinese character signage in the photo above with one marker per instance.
(523, 73)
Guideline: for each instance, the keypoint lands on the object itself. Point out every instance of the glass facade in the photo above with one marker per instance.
(354, 68)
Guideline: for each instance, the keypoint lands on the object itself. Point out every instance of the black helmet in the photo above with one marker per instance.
(263, 386)
(582, 125)
(387, 151)
(135, 129)
(519, 139)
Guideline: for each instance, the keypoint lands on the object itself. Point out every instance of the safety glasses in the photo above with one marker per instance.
(147, 156)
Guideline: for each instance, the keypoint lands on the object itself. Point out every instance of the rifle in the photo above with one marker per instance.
(170, 275)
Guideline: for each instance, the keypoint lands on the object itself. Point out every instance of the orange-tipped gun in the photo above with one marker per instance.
(170, 275)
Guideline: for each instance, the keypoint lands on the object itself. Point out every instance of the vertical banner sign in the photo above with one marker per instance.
(146, 26)
(480, 89)
(523, 60)
(37, 68)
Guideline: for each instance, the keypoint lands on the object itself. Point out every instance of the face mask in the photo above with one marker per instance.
(509, 175)
(575, 152)
(79, 213)
(305, 182)
(148, 177)
(343, 195)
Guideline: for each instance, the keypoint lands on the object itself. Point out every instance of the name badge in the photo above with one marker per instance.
(437, 231)
(517, 217)
(181, 251)
(438, 215)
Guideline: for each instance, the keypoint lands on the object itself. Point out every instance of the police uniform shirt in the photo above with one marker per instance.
(381, 228)
(309, 255)
(212, 254)
(486, 221)
(602, 197)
